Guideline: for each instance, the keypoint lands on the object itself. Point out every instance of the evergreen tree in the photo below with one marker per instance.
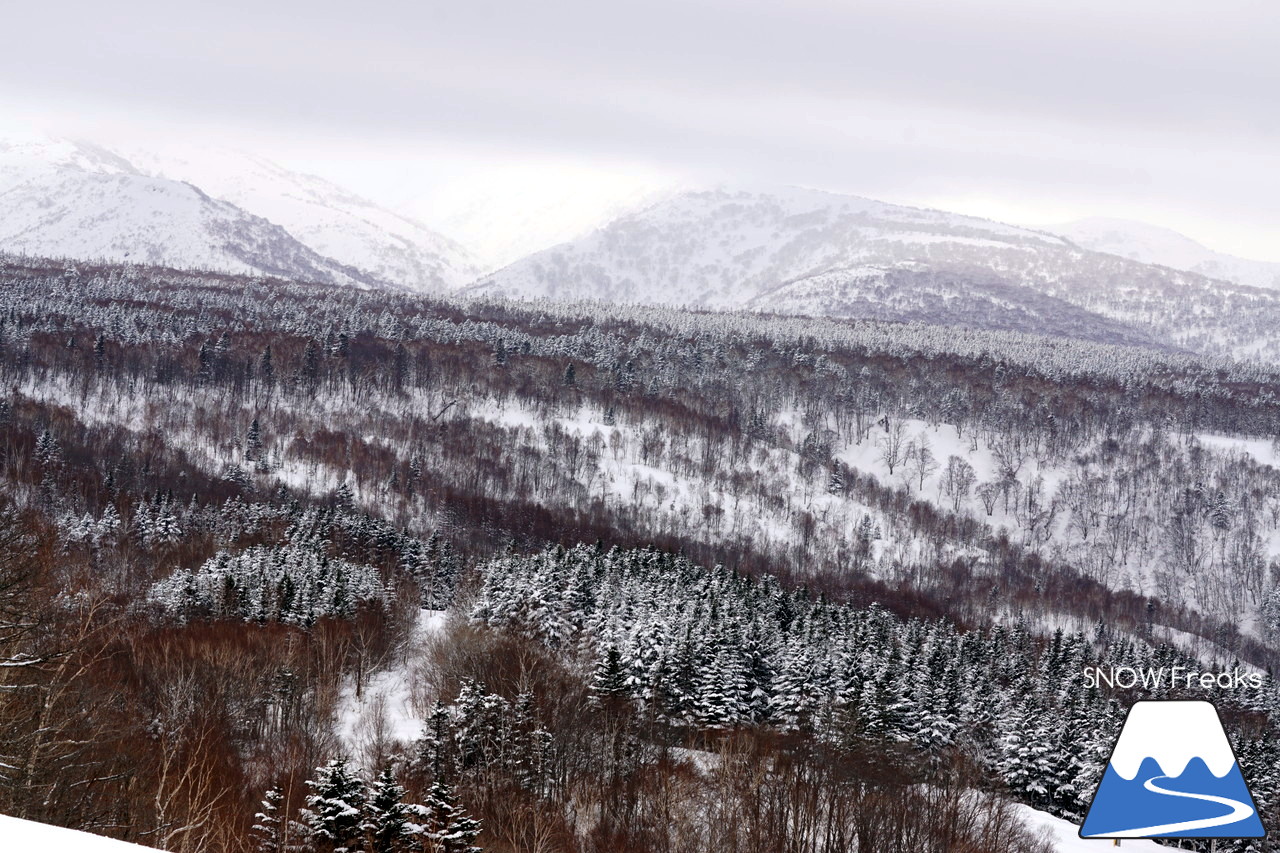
(48, 451)
(481, 731)
(435, 749)
(399, 367)
(267, 369)
(722, 689)
(531, 745)
(309, 370)
(253, 443)
(447, 827)
(204, 363)
(386, 817)
(269, 826)
(794, 698)
(610, 677)
(334, 813)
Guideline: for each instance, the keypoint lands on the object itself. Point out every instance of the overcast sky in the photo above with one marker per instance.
(1163, 110)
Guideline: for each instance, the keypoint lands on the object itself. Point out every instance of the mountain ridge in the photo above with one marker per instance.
(332, 220)
(811, 252)
(1155, 244)
(212, 209)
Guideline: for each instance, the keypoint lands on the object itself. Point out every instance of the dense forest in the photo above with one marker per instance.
(648, 579)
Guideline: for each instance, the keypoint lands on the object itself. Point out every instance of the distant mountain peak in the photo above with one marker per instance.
(792, 250)
(223, 210)
(1156, 244)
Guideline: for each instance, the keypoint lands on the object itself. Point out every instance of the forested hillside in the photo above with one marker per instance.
(711, 581)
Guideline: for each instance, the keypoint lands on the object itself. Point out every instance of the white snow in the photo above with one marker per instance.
(1066, 838)
(324, 217)
(1261, 450)
(210, 209)
(681, 498)
(385, 709)
(728, 249)
(27, 836)
(1152, 244)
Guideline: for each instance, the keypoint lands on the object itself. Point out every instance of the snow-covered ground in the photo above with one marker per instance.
(1261, 450)
(680, 496)
(23, 836)
(1066, 835)
(386, 709)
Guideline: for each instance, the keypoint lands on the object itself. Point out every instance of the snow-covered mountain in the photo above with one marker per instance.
(730, 249)
(1152, 244)
(210, 209)
(66, 199)
(796, 251)
(324, 217)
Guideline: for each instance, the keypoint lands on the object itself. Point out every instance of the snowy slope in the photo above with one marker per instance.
(1152, 244)
(23, 835)
(65, 199)
(324, 217)
(1066, 838)
(721, 248)
(956, 295)
(390, 707)
(210, 208)
(796, 251)
(27, 156)
(152, 221)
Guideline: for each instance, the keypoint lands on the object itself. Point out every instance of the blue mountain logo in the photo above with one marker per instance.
(1172, 775)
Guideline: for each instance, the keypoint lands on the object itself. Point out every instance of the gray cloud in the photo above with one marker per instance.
(1143, 103)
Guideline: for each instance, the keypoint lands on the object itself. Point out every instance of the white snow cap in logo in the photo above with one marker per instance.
(1172, 733)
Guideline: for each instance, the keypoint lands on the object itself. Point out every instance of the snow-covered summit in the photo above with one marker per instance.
(28, 155)
(127, 217)
(326, 218)
(211, 209)
(723, 248)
